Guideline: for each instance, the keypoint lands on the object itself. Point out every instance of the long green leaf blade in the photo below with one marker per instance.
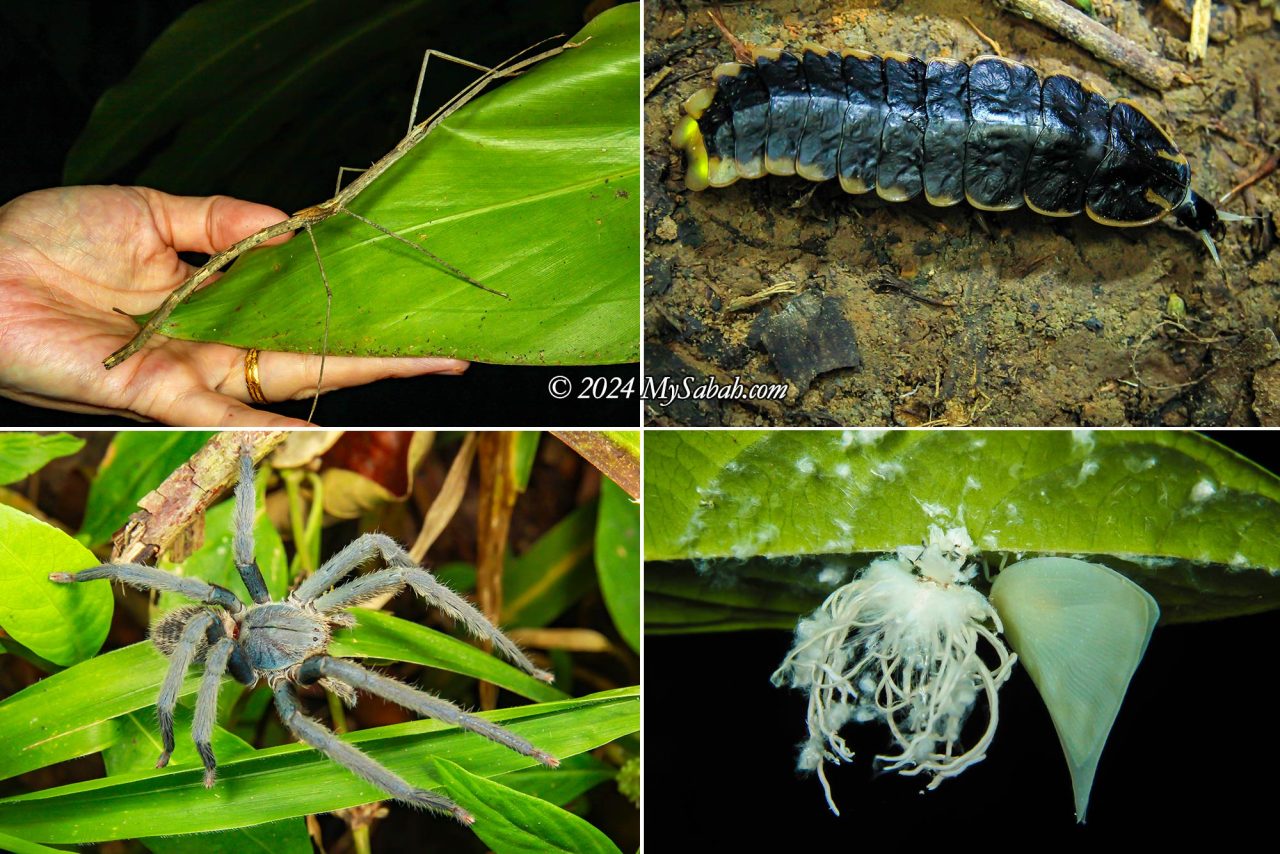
(24, 453)
(76, 712)
(294, 780)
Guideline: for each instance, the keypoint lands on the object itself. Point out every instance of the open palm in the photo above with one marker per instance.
(75, 262)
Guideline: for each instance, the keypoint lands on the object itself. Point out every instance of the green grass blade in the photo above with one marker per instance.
(576, 776)
(294, 780)
(532, 189)
(22, 846)
(76, 712)
(511, 821)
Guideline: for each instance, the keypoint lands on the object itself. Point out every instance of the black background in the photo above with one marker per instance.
(1191, 752)
(57, 58)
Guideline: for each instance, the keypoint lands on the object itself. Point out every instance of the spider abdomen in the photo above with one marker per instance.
(278, 636)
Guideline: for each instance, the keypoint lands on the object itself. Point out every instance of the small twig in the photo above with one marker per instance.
(995, 45)
(741, 51)
(763, 295)
(1102, 42)
(889, 282)
(1198, 42)
(614, 460)
(1266, 168)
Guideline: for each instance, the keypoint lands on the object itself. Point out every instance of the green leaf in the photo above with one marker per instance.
(77, 712)
(138, 750)
(628, 440)
(293, 780)
(618, 560)
(532, 189)
(63, 623)
(554, 573)
(137, 462)
(215, 561)
(22, 846)
(1195, 524)
(24, 453)
(510, 821)
(576, 776)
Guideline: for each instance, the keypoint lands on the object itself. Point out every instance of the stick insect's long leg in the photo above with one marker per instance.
(337, 187)
(424, 251)
(328, 311)
(422, 75)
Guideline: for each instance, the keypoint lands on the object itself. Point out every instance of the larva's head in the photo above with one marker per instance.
(1199, 215)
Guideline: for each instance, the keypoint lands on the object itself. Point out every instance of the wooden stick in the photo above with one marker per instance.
(1103, 42)
(319, 213)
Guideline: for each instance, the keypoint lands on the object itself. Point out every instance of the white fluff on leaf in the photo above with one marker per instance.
(899, 645)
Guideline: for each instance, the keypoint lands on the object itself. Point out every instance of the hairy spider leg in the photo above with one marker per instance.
(193, 637)
(434, 593)
(150, 578)
(323, 739)
(245, 497)
(425, 704)
(215, 664)
(401, 570)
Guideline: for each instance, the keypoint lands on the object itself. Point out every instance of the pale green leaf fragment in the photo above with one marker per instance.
(22, 454)
(1080, 629)
(513, 822)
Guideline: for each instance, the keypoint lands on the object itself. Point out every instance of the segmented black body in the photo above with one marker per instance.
(990, 132)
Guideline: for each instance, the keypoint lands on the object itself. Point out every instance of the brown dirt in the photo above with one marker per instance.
(1029, 320)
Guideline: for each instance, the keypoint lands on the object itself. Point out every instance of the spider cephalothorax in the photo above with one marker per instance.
(287, 642)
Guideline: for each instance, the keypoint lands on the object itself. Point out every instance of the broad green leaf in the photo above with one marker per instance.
(22, 846)
(555, 572)
(215, 560)
(24, 453)
(1195, 524)
(618, 560)
(293, 780)
(138, 750)
(532, 189)
(137, 462)
(576, 776)
(76, 712)
(63, 623)
(511, 821)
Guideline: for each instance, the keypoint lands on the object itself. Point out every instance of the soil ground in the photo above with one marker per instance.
(962, 317)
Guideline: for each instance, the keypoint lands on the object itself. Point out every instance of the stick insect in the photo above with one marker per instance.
(308, 217)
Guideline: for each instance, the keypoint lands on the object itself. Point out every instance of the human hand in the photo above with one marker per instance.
(71, 257)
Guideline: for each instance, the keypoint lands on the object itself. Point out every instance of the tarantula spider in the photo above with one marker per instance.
(286, 643)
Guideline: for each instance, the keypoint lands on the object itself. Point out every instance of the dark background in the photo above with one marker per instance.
(1191, 751)
(57, 58)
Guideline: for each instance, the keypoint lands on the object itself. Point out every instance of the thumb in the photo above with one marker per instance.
(208, 224)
